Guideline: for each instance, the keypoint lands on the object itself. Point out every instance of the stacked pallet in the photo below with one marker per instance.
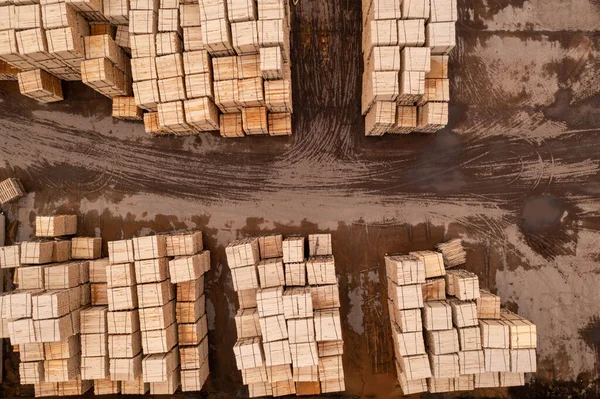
(234, 59)
(10, 190)
(187, 270)
(289, 334)
(448, 334)
(405, 52)
(106, 67)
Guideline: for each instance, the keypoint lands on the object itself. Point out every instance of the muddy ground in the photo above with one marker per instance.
(515, 174)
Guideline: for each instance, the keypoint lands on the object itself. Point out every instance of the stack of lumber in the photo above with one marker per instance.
(187, 270)
(123, 332)
(289, 334)
(448, 334)
(405, 53)
(94, 344)
(10, 190)
(125, 108)
(234, 60)
(106, 67)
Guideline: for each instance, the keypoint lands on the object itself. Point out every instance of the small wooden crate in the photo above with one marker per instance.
(171, 116)
(330, 348)
(193, 357)
(278, 95)
(247, 324)
(44, 389)
(249, 66)
(190, 291)
(433, 261)
(508, 379)
(494, 334)
(125, 108)
(439, 67)
(30, 277)
(247, 299)
(168, 20)
(231, 125)
(441, 342)
(143, 21)
(36, 252)
(241, 10)
(193, 333)
(122, 298)
(61, 251)
(464, 313)
(270, 273)
(149, 247)
(126, 369)
(411, 33)
(31, 372)
(99, 294)
(405, 296)
(432, 117)
(62, 369)
(167, 387)
(254, 375)
(216, 35)
(94, 345)
(201, 113)
(444, 366)
(277, 353)
(189, 268)
(405, 269)
(280, 123)
(407, 320)
(151, 270)
(18, 304)
(32, 352)
(248, 353)
(120, 251)
(52, 304)
(271, 63)
(293, 249)
(434, 289)
(225, 68)
(93, 320)
(437, 315)
(328, 325)
(123, 322)
(120, 275)
(523, 333)
(168, 43)
(254, 121)
(193, 39)
(242, 253)
(193, 380)
(488, 305)
(330, 368)
(185, 243)
(251, 92)
(10, 190)
(297, 303)
(135, 387)
(453, 252)
(28, 16)
(159, 366)
(260, 389)
(406, 120)
(143, 46)
(143, 68)
(440, 37)
(86, 247)
(189, 15)
(269, 301)
(245, 37)
(97, 270)
(304, 354)
(415, 9)
(157, 318)
(325, 296)
(305, 374)
(295, 274)
(273, 328)
(155, 294)
(40, 85)
(497, 359)
(486, 380)
(106, 386)
(469, 338)
(245, 278)
(22, 331)
(124, 345)
(227, 96)
(465, 285)
(471, 362)
(55, 226)
(270, 246)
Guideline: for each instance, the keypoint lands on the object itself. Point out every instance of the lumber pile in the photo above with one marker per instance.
(221, 65)
(10, 190)
(405, 53)
(289, 333)
(448, 334)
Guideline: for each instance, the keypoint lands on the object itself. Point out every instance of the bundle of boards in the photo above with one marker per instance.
(405, 52)
(448, 334)
(288, 323)
(130, 323)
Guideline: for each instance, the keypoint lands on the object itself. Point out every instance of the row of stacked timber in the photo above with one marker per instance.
(11, 189)
(130, 323)
(405, 52)
(213, 65)
(49, 42)
(288, 323)
(449, 335)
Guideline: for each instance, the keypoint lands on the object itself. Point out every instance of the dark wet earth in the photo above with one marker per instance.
(515, 174)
